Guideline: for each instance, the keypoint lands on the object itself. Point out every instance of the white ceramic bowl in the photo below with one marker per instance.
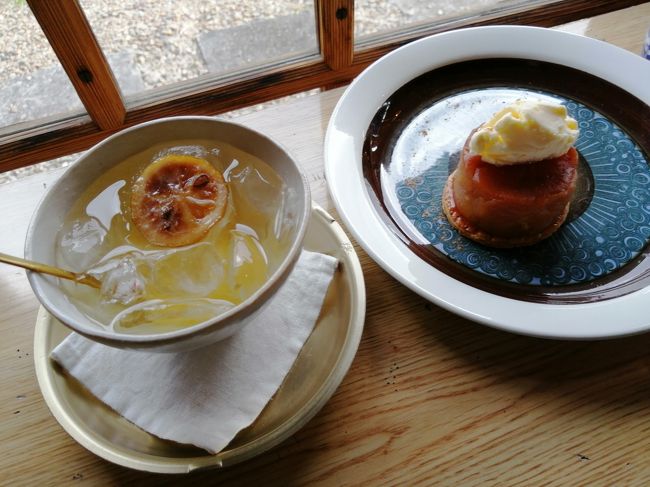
(344, 171)
(50, 213)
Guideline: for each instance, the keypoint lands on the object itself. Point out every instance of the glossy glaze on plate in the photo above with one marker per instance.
(413, 144)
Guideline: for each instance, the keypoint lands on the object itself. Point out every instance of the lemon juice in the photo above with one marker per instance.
(148, 287)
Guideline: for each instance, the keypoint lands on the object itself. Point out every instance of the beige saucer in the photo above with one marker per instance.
(319, 369)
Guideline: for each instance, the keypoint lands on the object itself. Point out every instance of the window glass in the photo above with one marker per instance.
(33, 84)
(156, 43)
(376, 17)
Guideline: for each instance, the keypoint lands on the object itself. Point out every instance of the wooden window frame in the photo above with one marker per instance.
(66, 28)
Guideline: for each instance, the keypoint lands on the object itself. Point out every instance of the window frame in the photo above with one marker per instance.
(65, 26)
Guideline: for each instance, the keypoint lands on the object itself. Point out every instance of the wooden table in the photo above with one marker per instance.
(430, 399)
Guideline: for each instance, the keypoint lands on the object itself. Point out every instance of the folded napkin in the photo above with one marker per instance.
(204, 397)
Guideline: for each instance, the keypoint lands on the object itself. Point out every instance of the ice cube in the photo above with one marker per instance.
(122, 283)
(285, 218)
(248, 267)
(192, 271)
(260, 191)
(189, 150)
(81, 243)
(106, 205)
(158, 315)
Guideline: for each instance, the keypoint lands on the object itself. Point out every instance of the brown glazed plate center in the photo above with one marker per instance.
(412, 145)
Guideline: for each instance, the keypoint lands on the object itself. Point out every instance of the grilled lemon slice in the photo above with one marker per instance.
(177, 199)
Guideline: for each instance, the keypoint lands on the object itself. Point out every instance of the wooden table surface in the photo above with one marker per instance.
(431, 398)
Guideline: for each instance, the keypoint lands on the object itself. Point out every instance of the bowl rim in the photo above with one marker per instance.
(241, 310)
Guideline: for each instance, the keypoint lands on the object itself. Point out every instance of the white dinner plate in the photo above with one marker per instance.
(612, 301)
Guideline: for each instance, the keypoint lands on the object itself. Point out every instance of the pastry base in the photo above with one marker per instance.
(468, 230)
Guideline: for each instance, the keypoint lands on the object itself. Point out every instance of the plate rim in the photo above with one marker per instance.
(343, 168)
(152, 463)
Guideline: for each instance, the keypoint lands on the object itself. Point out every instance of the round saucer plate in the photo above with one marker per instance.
(358, 207)
(317, 372)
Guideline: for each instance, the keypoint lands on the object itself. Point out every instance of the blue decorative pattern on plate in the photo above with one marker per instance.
(612, 231)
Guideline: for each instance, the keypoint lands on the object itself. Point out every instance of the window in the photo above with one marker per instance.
(135, 60)
(155, 44)
(385, 18)
(30, 73)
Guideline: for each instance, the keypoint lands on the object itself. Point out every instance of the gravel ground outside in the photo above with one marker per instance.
(162, 35)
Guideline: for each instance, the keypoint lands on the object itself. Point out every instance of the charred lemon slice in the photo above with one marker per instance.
(177, 199)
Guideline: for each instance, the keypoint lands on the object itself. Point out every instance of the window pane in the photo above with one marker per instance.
(33, 84)
(163, 42)
(375, 17)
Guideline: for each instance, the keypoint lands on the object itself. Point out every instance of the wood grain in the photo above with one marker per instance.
(336, 25)
(431, 398)
(69, 33)
(207, 95)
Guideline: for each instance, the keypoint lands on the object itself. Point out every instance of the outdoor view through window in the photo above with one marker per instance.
(196, 56)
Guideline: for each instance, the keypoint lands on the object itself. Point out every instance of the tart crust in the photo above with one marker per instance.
(468, 230)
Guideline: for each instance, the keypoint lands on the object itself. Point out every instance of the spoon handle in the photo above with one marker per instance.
(48, 269)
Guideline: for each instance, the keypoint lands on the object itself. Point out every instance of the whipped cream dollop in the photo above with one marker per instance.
(526, 131)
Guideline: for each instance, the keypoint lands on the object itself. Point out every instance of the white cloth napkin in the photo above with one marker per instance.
(204, 397)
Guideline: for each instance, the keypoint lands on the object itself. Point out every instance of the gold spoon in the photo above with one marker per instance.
(48, 269)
